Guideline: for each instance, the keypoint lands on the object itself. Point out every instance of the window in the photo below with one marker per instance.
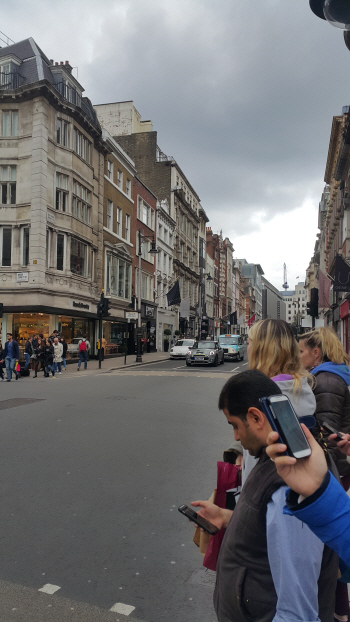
(128, 187)
(118, 277)
(5, 246)
(78, 257)
(25, 246)
(182, 221)
(119, 179)
(119, 221)
(145, 254)
(109, 215)
(160, 232)
(62, 133)
(146, 287)
(9, 123)
(61, 192)
(4, 77)
(110, 170)
(8, 185)
(145, 213)
(81, 145)
(127, 227)
(60, 252)
(81, 202)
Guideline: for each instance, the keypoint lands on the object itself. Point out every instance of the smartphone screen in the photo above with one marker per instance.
(289, 426)
(199, 520)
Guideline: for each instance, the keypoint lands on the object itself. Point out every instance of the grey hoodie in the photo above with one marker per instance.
(304, 404)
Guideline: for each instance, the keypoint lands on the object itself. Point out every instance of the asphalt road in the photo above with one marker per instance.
(93, 470)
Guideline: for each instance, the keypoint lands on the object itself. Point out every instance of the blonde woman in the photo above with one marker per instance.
(323, 355)
(273, 350)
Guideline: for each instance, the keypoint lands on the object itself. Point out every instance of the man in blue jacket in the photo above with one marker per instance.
(11, 356)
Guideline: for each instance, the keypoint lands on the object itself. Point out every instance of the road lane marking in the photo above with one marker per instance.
(123, 609)
(48, 588)
(181, 367)
(235, 368)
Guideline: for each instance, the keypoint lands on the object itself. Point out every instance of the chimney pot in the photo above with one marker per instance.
(51, 61)
(67, 62)
(61, 62)
(56, 63)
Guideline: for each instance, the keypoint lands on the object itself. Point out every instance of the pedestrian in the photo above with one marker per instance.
(273, 350)
(103, 348)
(11, 357)
(28, 351)
(58, 352)
(38, 356)
(1, 363)
(48, 359)
(64, 353)
(83, 348)
(270, 567)
(325, 358)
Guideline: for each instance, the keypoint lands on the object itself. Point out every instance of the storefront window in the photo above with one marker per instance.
(73, 329)
(26, 325)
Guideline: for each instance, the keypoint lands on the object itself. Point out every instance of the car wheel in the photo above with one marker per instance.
(215, 364)
(188, 364)
(223, 360)
(242, 357)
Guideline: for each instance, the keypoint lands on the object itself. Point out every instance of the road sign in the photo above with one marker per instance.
(131, 315)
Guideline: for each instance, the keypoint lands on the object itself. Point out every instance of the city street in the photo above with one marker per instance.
(94, 465)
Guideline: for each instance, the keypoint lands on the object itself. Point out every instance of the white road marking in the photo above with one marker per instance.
(121, 608)
(181, 367)
(48, 588)
(244, 364)
(235, 368)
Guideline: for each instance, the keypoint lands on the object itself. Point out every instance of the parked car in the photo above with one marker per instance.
(180, 349)
(232, 346)
(205, 353)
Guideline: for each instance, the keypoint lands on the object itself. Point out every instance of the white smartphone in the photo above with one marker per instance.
(288, 426)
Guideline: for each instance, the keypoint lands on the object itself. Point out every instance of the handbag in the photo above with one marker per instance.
(17, 367)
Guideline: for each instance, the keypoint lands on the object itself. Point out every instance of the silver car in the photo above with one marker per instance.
(180, 349)
(205, 353)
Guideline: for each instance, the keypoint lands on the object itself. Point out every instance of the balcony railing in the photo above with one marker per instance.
(10, 81)
(69, 93)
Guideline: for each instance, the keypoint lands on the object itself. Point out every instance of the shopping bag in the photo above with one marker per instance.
(228, 479)
(17, 367)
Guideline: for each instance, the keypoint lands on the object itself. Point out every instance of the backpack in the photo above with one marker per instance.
(82, 346)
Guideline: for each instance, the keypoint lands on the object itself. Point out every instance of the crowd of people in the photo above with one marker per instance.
(45, 354)
(271, 566)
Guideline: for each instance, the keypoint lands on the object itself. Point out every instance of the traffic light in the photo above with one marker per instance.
(233, 318)
(205, 326)
(1, 309)
(312, 306)
(106, 307)
(100, 308)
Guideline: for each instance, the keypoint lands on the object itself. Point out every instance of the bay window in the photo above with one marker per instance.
(61, 192)
(78, 257)
(9, 123)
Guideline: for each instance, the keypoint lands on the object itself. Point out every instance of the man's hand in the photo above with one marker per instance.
(344, 444)
(218, 516)
(304, 475)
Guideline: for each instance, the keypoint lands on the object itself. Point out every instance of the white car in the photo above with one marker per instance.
(180, 349)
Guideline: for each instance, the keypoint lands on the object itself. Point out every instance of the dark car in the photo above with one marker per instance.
(205, 353)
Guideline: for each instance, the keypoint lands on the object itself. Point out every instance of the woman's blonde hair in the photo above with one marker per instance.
(327, 341)
(274, 350)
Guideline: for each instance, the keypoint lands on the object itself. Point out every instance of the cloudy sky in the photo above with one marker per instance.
(241, 92)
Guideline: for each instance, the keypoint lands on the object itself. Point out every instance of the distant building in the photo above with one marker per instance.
(253, 272)
(295, 300)
(273, 304)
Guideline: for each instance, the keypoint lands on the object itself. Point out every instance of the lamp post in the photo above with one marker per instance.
(202, 298)
(153, 250)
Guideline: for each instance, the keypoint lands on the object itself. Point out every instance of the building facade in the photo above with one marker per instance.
(273, 304)
(295, 301)
(51, 209)
(253, 272)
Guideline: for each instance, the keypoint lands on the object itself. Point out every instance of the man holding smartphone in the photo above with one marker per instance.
(270, 567)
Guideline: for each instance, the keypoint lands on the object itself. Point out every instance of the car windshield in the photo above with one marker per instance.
(206, 344)
(228, 341)
(184, 342)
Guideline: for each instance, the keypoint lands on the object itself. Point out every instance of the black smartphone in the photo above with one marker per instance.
(199, 520)
(282, 418)
(329, 428)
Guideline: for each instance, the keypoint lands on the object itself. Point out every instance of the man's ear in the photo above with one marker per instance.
(256, 417)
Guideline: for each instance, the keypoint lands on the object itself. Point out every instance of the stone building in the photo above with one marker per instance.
(167, 316)
(273, 305)
(254, 272)
(51, 208)
(295, 300)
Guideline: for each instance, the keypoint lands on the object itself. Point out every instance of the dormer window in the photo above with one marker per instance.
(4, 74)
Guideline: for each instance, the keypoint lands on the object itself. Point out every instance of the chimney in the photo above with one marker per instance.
(67, 62)
(61, 62)
(56, 63)
(51, 61)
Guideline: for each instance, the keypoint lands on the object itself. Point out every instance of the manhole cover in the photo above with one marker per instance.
(17, 401)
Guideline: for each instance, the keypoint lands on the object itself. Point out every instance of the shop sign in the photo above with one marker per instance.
(131, 315)
(84, 306)
(149, 311)
(22, 277)
(50, 218)
(344, 309)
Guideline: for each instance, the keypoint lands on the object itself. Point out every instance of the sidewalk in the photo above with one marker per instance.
(117, 363)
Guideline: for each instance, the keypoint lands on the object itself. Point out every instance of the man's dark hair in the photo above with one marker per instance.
(9, 334)
(244, 391)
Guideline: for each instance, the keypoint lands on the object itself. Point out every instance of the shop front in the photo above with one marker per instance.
(120, 336)
(345, 320)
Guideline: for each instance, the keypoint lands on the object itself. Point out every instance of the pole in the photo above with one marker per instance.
(100, 340)
(139, 328)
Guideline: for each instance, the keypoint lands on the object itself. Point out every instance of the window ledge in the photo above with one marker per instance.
(119, 189)
(115, 235)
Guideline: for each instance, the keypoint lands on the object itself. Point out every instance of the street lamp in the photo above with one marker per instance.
(153, 250)
(202, 296)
